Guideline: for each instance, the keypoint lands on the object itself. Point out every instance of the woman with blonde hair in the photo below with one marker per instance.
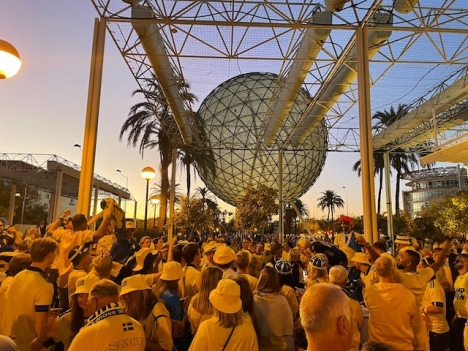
(227, 330)
(200, 308)
(142, 305)
(167, 289)
(273, 316)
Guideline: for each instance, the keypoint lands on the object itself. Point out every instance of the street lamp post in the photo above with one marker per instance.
(155, 201)
(126, 187)
(147, 173)
(347, 207)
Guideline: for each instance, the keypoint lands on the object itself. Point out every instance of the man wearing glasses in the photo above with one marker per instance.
(125, 247)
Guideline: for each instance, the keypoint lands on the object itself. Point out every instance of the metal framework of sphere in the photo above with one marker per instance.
(234, 115)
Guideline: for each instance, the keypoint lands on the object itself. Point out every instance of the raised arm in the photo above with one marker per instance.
(54, 225)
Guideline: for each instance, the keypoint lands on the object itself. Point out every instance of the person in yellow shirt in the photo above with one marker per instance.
(190, 284)
(81, 259)
(346, 241)
(68, 239)
(200, 308)
(284, 269)
(459, 301)
(227, 330)
(109, 328)
(362, 264)
(339, 276)
(392, 309)
(142, 305)
(209, 250)
(29, 296)
(434, 310)
(243, 268)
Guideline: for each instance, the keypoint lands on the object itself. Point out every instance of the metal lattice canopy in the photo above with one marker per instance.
(417, 56)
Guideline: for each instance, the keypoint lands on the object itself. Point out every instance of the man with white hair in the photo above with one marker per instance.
(326, 318)
(338, 276)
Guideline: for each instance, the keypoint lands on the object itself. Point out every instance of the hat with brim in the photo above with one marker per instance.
(403, 239)
(361, 257)
(226, 297)
(210, 247)
(84, 284)
(130, 225)
(172, 271)
(224, 255)
(141, 256)
(133, 283)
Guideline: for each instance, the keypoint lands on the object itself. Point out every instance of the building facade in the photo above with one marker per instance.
(430, 186)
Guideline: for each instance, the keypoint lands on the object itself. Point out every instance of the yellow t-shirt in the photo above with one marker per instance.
(29, 293)
(157, 326)
(253, 282)
(62, 330)
(370, 278)
(196, 318)
(358, 320)
(290, 295)
(188, 284)
(435, 295)
(68, 240)
(461, 287)
(117, 332)
(3, 290)
(392, 309)
(415, 282)
(211, 336)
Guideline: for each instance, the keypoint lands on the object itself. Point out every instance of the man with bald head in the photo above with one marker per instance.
(392, 309)
(326, 317)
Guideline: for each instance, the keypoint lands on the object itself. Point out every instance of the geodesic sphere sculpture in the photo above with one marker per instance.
(234, 116)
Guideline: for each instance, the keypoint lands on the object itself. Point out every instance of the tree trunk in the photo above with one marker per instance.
(164, 191)
(189, 179)
(379, 200)
(397, 193)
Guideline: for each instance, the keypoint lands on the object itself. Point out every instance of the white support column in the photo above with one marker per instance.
(92, 118)
(365, 133)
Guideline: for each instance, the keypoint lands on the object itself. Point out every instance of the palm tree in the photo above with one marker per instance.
(330, 200)
(200, 155)
(400, 160)
(156, 191)
(205, 194)
(378, 170)
(145, 125)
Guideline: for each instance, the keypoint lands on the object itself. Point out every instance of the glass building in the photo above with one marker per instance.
(430, 186)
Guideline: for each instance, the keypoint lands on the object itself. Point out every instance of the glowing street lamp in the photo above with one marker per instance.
(147, 173)
(10, 61)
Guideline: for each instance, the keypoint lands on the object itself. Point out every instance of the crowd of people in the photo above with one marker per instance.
(71, 288)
